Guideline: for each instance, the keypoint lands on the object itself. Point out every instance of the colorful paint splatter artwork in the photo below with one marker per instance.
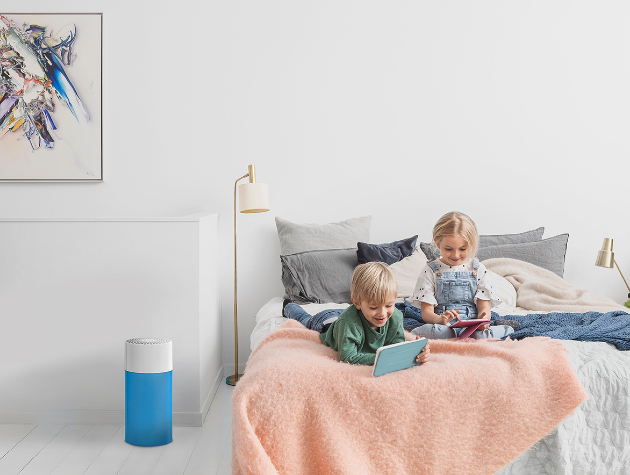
(43, 107)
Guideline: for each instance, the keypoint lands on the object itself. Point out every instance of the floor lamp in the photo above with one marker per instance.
(606, 258)
(252, 198)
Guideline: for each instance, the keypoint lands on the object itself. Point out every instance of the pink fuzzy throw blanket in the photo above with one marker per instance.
(471, 409)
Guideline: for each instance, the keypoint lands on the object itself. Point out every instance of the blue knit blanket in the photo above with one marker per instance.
(412, 317)
(611, 327)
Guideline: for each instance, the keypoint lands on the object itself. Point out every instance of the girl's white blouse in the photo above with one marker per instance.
(426, 284)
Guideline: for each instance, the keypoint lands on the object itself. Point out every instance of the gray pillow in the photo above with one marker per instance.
(534, 235)
(430, 251)
(485, 240)
(296, 238)
(548, 253)
(319, 276)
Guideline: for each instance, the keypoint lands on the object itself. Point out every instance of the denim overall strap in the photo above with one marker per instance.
(433, 266)
(475, 263)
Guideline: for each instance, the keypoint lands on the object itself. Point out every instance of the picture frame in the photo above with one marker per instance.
(51, 104)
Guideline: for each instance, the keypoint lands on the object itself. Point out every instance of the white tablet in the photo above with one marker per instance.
(397, 356)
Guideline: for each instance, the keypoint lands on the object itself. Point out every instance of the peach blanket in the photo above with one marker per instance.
(470, 410)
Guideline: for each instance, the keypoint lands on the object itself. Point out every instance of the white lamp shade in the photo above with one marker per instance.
(253, 198)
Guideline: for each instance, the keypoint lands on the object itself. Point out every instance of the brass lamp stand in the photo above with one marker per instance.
(253, 198)
(606, 258)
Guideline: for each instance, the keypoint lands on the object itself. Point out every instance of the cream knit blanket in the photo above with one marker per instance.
(541, 289)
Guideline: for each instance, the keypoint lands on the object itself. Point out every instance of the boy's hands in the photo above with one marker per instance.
(424, 355)
(448, 316)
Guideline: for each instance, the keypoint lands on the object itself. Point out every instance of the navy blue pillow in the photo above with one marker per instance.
(388, 253)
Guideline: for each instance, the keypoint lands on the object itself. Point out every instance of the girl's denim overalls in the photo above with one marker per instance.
(456, 291)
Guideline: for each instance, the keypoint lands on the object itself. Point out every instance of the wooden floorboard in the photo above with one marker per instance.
(225, 468)
(49, 458)
(11, 435)
(141, 461)
(175, 457)
(29, 447)
(86, 451)
(112, 457)
(208, 453)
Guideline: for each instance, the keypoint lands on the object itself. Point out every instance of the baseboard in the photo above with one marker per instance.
(205, 408)
(64, 417)
(183, 419)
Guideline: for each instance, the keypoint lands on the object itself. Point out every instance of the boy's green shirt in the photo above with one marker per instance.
(355, 340)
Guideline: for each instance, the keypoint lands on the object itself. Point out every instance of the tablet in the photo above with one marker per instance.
(397, 356)
(471, 324)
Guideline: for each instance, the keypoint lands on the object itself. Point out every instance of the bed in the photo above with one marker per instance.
(577, 422)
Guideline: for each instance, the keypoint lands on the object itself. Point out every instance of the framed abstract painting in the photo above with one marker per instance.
(51, 97)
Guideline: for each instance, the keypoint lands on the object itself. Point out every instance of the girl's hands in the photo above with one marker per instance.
(448, 316)
(424, 355)
(483, 316)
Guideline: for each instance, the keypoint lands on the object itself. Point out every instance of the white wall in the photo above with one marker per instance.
(73, 291)
(514, 112)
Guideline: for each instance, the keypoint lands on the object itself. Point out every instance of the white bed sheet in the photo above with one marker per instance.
(594, 440)
(269, 317)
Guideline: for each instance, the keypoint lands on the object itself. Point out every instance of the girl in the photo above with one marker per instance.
(456, 286)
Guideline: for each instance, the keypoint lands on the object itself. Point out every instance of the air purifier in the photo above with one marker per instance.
(148, 391)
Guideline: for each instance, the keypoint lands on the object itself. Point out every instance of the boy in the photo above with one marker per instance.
(372, 322)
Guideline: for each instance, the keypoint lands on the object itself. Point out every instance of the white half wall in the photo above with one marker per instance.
(514, 112)
(72, 291)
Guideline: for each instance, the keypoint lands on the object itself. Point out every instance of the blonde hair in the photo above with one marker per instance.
(456, 223)
(373, 282)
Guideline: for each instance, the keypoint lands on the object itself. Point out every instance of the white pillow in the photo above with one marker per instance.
(407, 272)
(503, 289)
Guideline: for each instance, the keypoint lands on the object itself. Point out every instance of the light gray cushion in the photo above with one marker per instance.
(319, 276)
(296, 238)
(548, 253)
(486, 240)
(430, 251)
(534, 235)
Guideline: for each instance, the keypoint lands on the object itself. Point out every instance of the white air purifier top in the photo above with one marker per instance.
(148, 355)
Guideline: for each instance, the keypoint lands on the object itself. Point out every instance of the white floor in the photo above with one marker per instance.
(43, 449)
